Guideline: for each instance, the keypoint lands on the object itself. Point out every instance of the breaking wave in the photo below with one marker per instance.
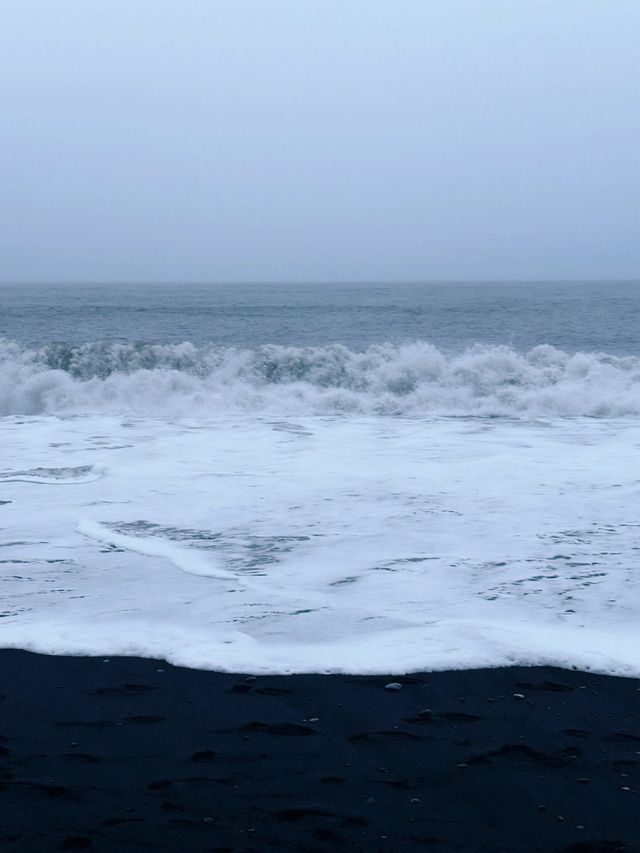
(415, 379)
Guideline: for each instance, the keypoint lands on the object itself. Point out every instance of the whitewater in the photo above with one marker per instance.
(321, 507)
(415, 379)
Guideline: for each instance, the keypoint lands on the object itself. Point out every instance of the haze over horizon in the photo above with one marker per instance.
(360, 141)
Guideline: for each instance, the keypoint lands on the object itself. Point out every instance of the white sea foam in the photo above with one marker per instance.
(184, 559)
(55, 476)
(367, 544)
(413, 380)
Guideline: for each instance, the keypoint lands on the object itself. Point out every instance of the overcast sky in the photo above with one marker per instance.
(319, 139)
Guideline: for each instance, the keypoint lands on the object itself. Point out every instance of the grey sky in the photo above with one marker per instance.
(319, 139)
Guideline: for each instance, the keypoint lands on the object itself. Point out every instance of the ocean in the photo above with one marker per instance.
(362, 478)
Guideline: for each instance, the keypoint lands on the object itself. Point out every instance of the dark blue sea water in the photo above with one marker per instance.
(585, 316)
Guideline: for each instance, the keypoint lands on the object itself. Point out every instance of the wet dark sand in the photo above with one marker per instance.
(134, 754)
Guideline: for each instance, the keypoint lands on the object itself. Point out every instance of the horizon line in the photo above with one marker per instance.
(273, 281)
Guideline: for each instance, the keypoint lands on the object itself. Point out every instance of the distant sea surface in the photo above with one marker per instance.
(588, 316)
(323, 477)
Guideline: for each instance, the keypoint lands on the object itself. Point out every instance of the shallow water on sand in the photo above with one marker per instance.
(337, 544)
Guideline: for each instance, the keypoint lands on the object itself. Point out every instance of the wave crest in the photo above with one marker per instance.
(413, 379)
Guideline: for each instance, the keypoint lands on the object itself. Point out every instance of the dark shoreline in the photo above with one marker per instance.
(135, 754)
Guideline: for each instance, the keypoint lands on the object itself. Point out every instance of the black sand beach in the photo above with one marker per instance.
(131, 754)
